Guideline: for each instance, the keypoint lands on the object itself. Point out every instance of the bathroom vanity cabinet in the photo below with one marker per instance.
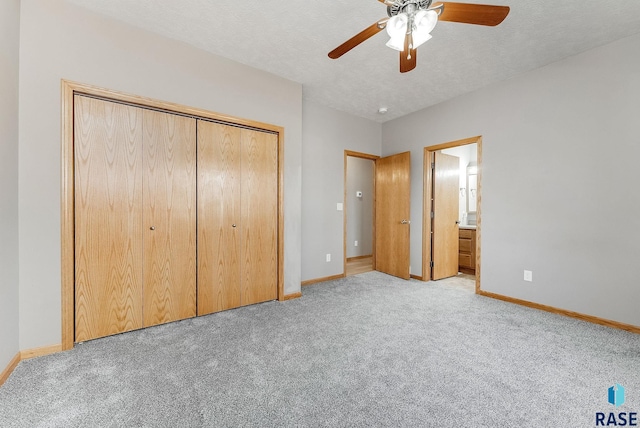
(467, 251)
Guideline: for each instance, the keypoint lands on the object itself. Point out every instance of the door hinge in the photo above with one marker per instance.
(433, 165)
(431, 263)
(432, 214)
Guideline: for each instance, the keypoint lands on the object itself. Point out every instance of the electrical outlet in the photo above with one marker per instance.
(355, 244)
(328, 258)
(528, 275)
(339, 206)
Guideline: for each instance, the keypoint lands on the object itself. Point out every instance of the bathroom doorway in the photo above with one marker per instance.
(452, 208)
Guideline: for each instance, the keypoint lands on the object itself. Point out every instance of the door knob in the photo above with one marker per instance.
(233, 225)
(457, 221)
(152, 228)
(405, 222)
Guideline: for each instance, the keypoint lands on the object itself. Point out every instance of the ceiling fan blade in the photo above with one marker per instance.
(478, 14)
(370, 31)
(408, 56)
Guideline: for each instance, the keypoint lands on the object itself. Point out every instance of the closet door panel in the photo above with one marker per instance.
(219, 223)
(259, 194)
(108, 218)
(169, 202)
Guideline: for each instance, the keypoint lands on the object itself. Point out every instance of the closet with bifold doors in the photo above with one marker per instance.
(174, 216)
(237, 216)
(135, 217)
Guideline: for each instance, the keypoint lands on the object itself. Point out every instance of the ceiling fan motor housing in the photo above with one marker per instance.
(408, 6)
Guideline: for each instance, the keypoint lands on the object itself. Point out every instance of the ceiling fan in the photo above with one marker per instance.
(410, 23)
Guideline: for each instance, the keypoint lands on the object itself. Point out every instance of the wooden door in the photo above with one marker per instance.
(259, 217)
(169, 201)
(446, 183)
(393, 194)
(237, 217)
(219, 221)
(108, 218)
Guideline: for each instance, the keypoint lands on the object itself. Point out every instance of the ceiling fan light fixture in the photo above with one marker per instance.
(397, 43)
(419, 38)
(397, 30)
(424, 22)
(410, 22)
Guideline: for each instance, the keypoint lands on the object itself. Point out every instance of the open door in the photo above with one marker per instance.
(446, 181)
(393, 194)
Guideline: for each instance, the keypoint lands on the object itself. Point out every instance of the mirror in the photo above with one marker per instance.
(472, 187)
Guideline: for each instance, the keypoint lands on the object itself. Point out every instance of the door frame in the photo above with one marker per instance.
(426, 205)
(372, 158)
(67, 214)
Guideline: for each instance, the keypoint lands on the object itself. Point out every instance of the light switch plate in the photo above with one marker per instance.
(528, 275)
(339, 206)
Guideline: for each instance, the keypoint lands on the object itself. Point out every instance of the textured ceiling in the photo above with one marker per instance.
(291, 39)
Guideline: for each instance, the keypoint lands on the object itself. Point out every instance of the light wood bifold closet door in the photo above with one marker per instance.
(135, 215)
(169, 218)
(237, 217)
(218, 211)
(108, 218)
(259, 218)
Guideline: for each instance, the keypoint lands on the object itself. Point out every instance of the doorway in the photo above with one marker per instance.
(391, 213)
(359, 212)
(452, 211)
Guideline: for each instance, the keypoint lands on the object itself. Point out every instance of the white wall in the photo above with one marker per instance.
(560, 154)
(359, 210)
(9, 47)
(326, 134)
(60, 40)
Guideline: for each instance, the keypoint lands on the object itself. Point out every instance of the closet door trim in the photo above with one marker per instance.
(68, 90)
